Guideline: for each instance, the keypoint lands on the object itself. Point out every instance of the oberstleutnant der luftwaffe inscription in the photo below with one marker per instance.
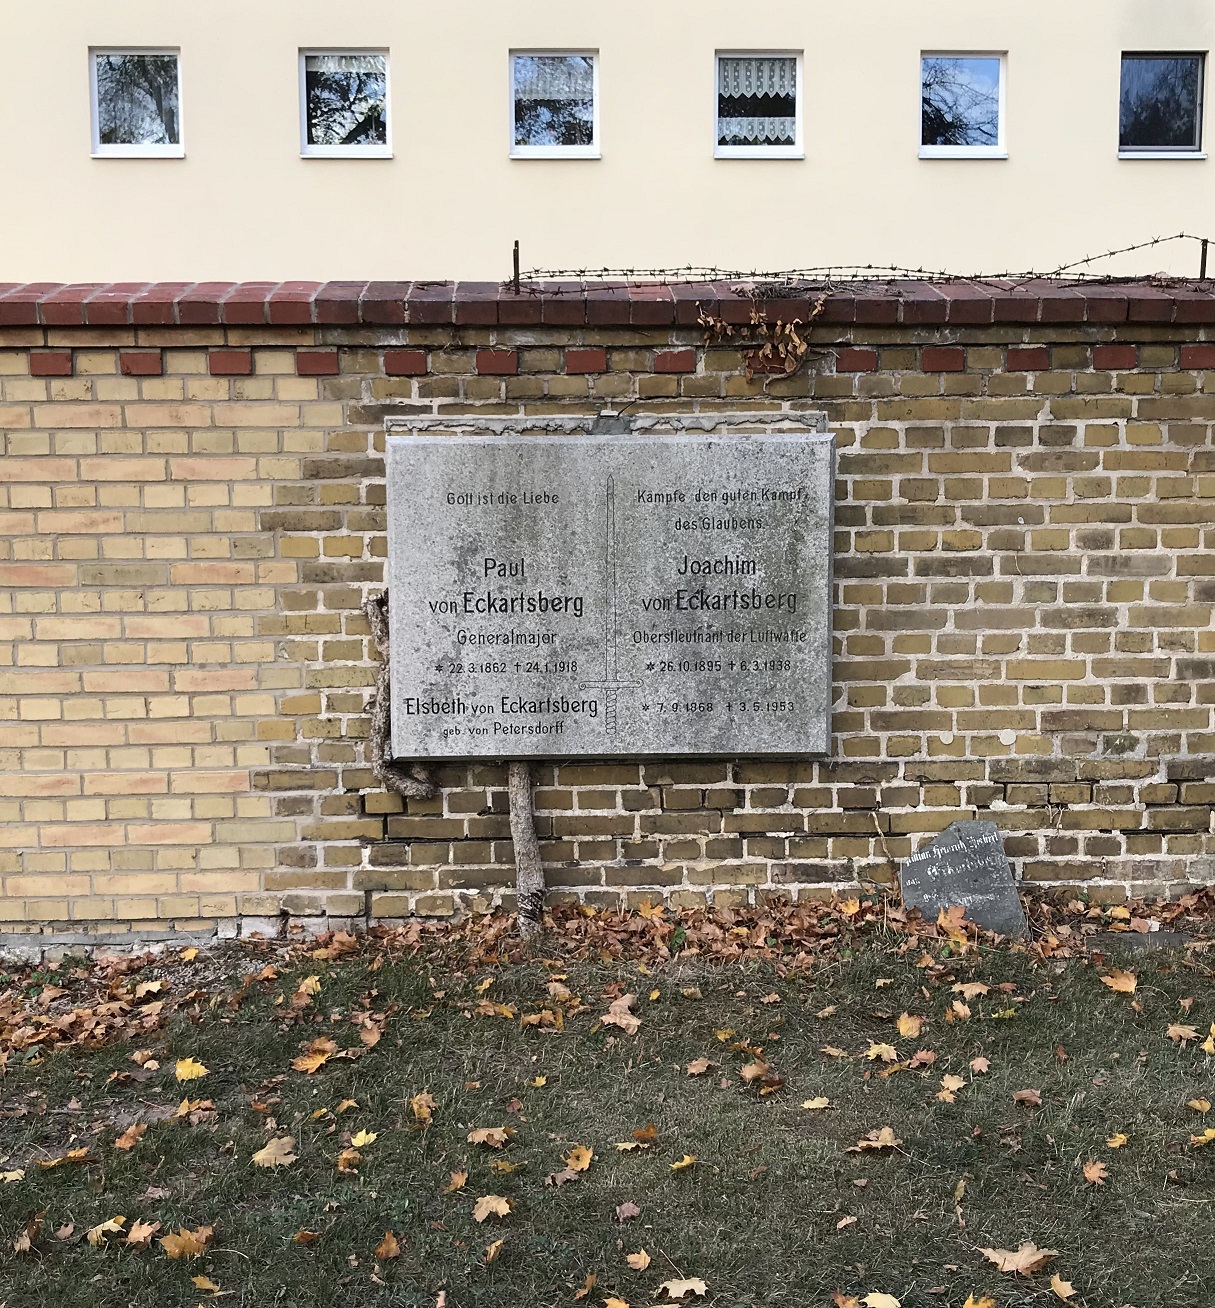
(557, 595)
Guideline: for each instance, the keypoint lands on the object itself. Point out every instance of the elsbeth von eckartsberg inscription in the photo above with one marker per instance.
(558, 593)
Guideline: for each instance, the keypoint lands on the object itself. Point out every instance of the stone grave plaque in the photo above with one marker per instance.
(568, 594)
(966, 864)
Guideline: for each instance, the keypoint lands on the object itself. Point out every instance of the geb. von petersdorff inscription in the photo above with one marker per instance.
(658, 593)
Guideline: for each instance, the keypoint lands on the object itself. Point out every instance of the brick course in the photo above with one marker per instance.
(1023, 619)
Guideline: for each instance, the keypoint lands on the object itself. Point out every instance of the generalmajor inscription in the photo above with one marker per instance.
(557, 595)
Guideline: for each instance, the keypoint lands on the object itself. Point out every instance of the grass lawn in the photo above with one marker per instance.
(779, 1206)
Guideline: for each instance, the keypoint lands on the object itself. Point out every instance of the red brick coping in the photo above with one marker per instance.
(575, 303)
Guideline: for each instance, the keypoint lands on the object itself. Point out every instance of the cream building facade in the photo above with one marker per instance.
(447, 189)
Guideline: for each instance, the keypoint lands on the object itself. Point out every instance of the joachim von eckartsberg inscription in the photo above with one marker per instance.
(556, 595)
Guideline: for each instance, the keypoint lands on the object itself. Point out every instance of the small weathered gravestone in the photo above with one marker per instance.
(965, 865)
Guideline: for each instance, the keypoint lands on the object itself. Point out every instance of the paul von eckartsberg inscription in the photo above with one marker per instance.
(557, 593)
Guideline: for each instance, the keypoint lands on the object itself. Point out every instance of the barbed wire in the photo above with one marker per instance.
(871, 277)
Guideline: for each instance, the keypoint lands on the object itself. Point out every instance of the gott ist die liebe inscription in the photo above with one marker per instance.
(619, 595)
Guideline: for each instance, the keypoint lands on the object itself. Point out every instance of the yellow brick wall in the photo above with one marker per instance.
(1023, 625)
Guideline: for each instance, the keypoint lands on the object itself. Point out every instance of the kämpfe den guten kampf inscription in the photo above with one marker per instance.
(607, 596)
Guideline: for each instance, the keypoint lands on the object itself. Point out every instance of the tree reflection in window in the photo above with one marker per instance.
(554, 98)
(1160, 107)
(346, 97)
(960, 100)
(137, 99)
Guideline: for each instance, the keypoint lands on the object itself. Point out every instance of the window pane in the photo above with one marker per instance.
(137, 99)
(757, 100)
(1161, 102)
(346, 96)
(554, 99)
(960, 99)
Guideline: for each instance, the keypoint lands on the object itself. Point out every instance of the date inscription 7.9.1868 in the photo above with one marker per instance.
(556, 595)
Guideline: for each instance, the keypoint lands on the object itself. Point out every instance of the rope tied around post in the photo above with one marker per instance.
(410, 780)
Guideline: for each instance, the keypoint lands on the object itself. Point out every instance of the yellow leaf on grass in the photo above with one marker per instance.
(490, 1205)
(346, 1104)
(190, 1069)
(1117, 1140)
(1180, 1034)
(578, 1159)
(753, 1071)
(883, 1138)
(681, 1288)
(362, 1139)
(185, 1243)
(423, 1107)
(887, 1053)
(538, 1082)
(494, 1249)
(980, 1065)
(311, 1063)
(638, 1261)
(612, 1302)
(389, 1247)
(820, 1101)
(1123, 982)
(17, 1174)
(1200, 1105)
(1095, 1173)
(910, 1026)
(698, 1067)
(688, 1160)
(278, 1152)
(494, 1136)
(1201, 1141)
(985, 1302)
(188, 955)
(1064, 1289)
(1026, 1258)
(130, 1137)
(141, 1233)
(96, 1235)
(310, 985)
(620, 1014)
(456, 1183)
(205, 1283)
(879, 1300)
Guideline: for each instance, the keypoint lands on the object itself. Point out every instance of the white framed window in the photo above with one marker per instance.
(1160, 104)
(554, 104)
(758, 105)
(344, 111)
(962, 105)
(136, 103)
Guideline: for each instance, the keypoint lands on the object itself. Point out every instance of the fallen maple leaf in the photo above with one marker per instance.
(699, 1066)
(620, 1014)
(1201, 1141)
(1095, 1173)
(880, 1300)
(72, 1157)
(312, 1062)
(1181, 1034)
(1031, 1097)
(490, 1205)
(423, 1107)
(1123, 982)
(130, 1137)
(494, 1249)
(348, 1160)
(638, 1261)
(845, 1221)
(563, 1177)
(753, 1071)
(361, 1139)
(140, 1234)
(688, 1160)
(96, 1235)
(389, 1247)
(579, 1158)
(277, 1152)
(910, 1026)
(985, 1302)
(681, 1288)
(587, 1286)
(970, 989)
(17, 1174)
(1117, 1140)
(1064, 1289)
(1200, 1105)
(612, 1302)
(305, 1237)
(205, 1283)
(1027, 1258)
(494, 1136)
(820, 1101)
(456, 1183)
(190, 1069)
(845, 1300)
(185, 1243)
(626, 1211)
(887, 1053)
(950, 1085)
(883, 1138)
